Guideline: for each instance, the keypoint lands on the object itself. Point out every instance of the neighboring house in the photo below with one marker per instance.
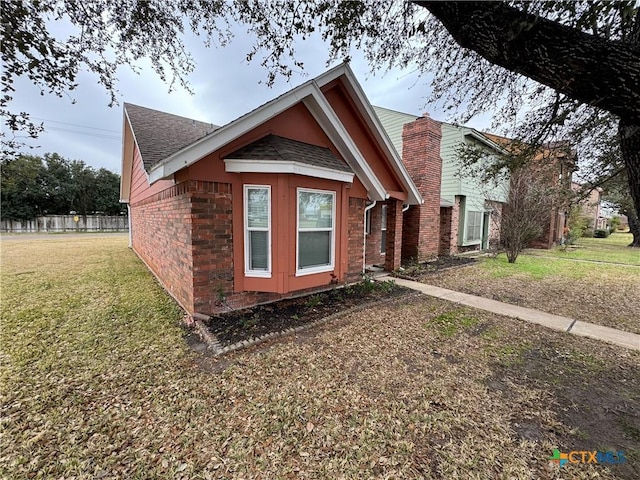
(465, 215)
(270, 205)
(554, 164)
(590, 207)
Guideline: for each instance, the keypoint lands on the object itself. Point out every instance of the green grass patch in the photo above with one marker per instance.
(612, 249)
(452, 322)
(534, 267)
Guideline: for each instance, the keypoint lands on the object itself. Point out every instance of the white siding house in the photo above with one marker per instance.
(471, 203)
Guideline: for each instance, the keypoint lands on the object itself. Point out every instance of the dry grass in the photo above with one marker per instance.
(613, 249)
(97, 382)
(593, 292)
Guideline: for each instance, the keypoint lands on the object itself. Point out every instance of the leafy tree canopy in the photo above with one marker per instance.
(32, 186)
(573, 67)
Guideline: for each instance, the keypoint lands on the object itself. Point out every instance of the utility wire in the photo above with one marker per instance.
(75, 125)
(79, 132)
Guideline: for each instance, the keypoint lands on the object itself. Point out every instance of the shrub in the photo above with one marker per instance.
(614, 224)
(588, 233)
(601, 234)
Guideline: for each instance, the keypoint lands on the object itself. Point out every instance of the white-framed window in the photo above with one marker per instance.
(257, 231)
(316, 218)
(383, 230)
(474, 226)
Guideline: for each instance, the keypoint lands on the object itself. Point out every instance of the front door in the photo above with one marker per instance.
(485, 230)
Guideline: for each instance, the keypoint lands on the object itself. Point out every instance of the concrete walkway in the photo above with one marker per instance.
(556, 322)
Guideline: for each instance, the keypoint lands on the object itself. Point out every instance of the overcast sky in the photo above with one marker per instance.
(224, 87)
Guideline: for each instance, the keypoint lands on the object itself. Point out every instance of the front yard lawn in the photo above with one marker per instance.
(97, 381)
(611, 249)
(601, 293)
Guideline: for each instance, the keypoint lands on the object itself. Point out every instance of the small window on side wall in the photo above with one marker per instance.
(316, 231)
(257, 238)
(474, 226)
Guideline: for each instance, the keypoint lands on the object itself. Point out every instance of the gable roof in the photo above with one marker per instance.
(159, 134)
(274, 147)
(310, 94)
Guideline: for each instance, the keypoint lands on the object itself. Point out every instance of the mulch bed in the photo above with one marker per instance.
(418, 271)
(237, 326)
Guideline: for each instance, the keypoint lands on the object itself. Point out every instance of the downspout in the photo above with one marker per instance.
(364, 237)
(129, 222)
(406, 208)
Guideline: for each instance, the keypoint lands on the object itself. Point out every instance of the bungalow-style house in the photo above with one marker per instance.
(270, 205)
(469, 212)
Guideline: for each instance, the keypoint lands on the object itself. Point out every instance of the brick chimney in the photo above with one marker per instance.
(421, 157)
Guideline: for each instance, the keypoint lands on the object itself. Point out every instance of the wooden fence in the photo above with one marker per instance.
(67, 223)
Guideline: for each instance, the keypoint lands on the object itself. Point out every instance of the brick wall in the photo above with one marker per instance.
(212, 244)
(449, 246)
(185, 225)
(421, 156)
(446, 240)
(355, 238)
(184, 235)
(494, 223)
(374, 238)
(394, 235)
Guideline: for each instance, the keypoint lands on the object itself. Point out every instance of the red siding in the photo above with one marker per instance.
(140, 187)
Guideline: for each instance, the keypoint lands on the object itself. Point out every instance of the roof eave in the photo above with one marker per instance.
(487, 141)
(414, 197)
(310, 94)
(227, 133)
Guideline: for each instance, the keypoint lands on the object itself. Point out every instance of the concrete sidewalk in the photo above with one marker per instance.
(556, 322)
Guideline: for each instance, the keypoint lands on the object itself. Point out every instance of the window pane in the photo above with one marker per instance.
(315, 210)
(258, 251)
(474, 224)
(314, 249)
(258, 208)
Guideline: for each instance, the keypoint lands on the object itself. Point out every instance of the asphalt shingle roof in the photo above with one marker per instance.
(159, 134)
(273, 147)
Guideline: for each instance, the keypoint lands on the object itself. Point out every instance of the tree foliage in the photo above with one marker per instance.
(530, 206)
(571, 66)
(53, 185)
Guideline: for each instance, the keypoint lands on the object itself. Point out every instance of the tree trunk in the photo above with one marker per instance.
(596, 71)
(630, 148)
(590, 69)
(634, 228)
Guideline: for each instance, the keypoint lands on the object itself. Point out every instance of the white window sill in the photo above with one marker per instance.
(311, 271)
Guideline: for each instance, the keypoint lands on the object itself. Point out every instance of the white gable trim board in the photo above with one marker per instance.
(282, 166)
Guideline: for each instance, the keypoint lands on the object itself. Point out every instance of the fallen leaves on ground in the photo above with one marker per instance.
(97, 382)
